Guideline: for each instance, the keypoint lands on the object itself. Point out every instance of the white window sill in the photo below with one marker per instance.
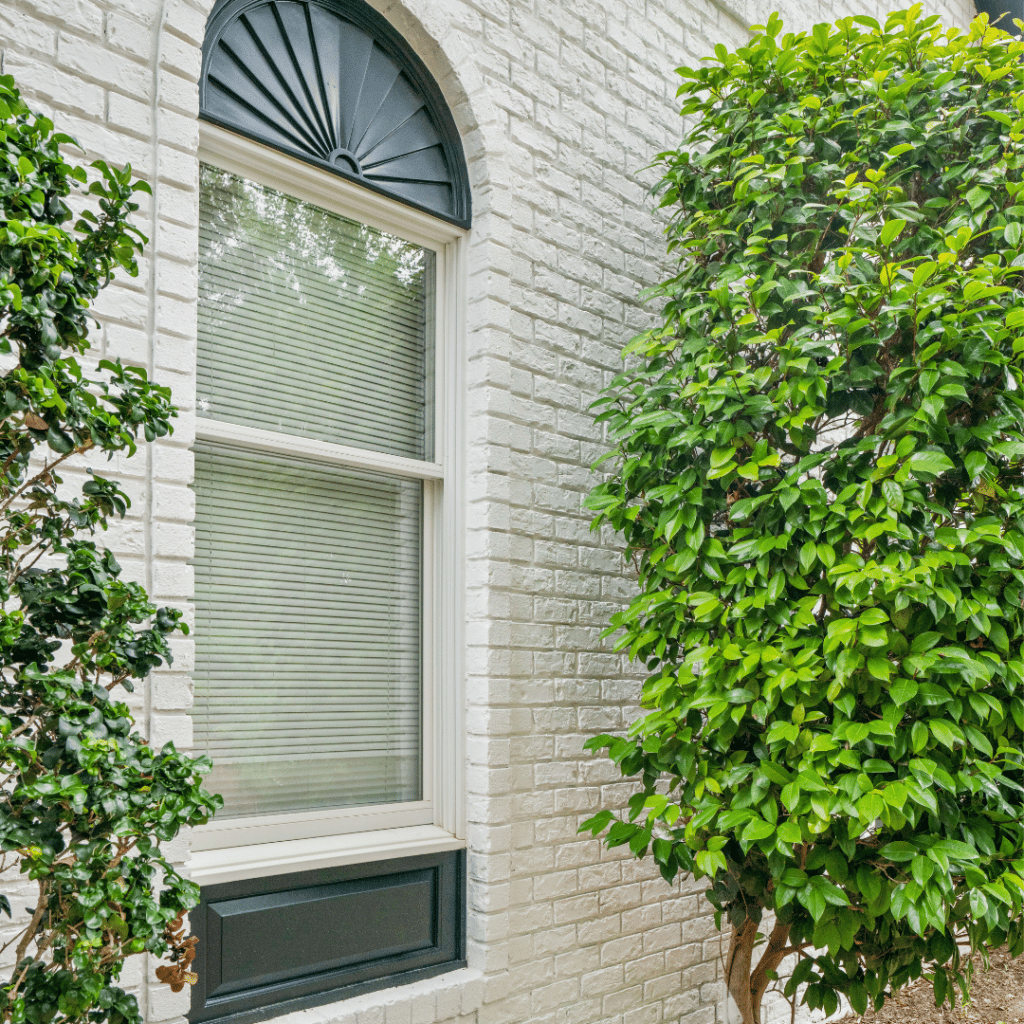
(455, 994)
(269, 829)
(211, 867)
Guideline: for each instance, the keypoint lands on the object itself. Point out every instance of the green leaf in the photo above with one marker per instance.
(893, 494)
(639, 841)
(836, 865)
(975, 462)
(843, 629)
(956, 850)
(869, 883)
(903, 691)
(998, 636)
(879, 668)
(832, 893)
(925, 642)
(776, 773)
(757, 830)
(890, 230)
(873, 617)
(923, 272)
(929, 463)
(597, 823)
(826, 554)
(815, 902)
(899, 851)
(710, 861)
(943, 733)
(789, 832)
(59, 441)
(808, 556)
(721, 456)
(740, 695)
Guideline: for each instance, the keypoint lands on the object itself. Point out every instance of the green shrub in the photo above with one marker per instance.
(818, 474)
(85, 802)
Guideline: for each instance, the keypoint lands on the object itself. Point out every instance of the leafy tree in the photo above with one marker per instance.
(84, 801)
(818, 474)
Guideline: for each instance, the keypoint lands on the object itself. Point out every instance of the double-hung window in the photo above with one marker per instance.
(316, 490)
(333, 207)
(326, 669)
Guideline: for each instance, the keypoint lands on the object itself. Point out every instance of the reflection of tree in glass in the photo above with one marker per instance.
(307, 232)
(283, 282)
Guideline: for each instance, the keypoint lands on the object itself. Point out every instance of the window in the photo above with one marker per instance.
(311, 559)
(333, 204)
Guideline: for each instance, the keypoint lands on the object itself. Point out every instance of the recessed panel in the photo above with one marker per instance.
(269, 946)
(323, 927)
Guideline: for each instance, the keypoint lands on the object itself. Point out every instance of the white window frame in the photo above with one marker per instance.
(247, 847)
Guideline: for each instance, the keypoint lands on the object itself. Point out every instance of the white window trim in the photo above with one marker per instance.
(238, 848)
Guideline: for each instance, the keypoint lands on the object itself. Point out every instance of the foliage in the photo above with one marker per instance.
(819, 476)
(85, 801)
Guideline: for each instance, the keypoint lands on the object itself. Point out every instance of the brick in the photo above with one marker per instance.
(182, 56)
(129, 114)
(129, 35)
(40, 80)
(94, 61)
(33, 34)
(84, 16)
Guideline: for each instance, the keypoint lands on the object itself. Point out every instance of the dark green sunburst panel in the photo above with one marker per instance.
(331, 82)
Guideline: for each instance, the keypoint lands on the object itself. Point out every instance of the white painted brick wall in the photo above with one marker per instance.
(560, 104)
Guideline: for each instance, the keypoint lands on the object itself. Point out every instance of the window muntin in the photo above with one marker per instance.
(285, 285)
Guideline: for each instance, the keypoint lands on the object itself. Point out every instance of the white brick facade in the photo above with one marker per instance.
(560, 103)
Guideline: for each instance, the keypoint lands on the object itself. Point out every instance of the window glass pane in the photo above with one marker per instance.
(310, 323)
(308, 612)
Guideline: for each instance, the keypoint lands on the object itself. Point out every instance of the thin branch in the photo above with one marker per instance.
(34, 923)
(44, 472)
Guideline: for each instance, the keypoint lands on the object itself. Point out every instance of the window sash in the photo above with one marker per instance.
(311, 323)
(309, 585)
(226, 833)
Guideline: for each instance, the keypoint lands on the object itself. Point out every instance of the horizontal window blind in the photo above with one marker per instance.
(308, 632)
(310, 323)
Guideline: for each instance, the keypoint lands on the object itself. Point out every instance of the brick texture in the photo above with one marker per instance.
(560, 105)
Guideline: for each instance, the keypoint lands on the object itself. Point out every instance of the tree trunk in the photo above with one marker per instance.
(737, 970)
(770, 960)
(747, 984)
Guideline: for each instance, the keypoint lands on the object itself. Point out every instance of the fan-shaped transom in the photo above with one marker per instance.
(331, 81)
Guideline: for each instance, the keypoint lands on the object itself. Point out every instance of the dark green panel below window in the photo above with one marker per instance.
(269, 946)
